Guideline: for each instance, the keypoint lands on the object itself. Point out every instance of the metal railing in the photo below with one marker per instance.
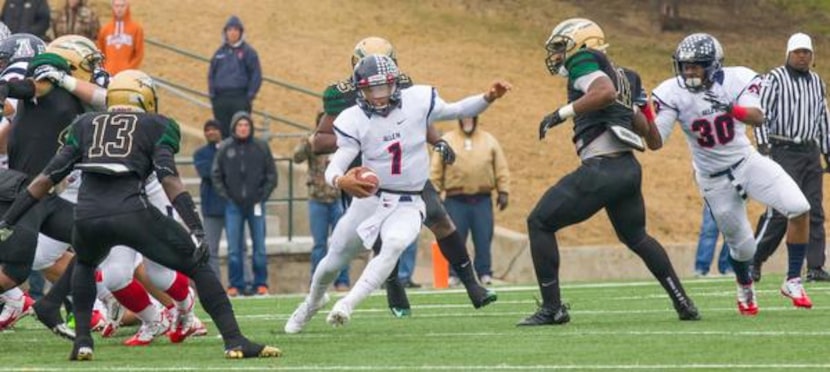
(290, 199)
(202, 58)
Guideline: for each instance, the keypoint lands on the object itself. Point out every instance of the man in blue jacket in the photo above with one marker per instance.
(245, 175)
(213, 205)
(234, 76)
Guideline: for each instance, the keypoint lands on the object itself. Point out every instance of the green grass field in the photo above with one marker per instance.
(614, 326)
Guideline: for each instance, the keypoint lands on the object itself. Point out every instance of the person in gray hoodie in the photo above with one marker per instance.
(244, 173)
(234, 76)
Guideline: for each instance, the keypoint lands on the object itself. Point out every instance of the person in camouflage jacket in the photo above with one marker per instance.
(75, 18)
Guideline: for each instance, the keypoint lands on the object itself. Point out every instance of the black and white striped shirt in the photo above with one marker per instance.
(795, 108)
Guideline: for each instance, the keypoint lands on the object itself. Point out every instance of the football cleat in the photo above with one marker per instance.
(81, 353)
(115, 314)
(50, 316)
(480, 296)
(547, 315)
(339, 315)
(793, 290)
(248, 349)
(199, 328)
(747, 303)
(397, 299)
(183, 322)
(303, 314)
(14, 310)
(97, 322)
(149, 330)
(687, 311)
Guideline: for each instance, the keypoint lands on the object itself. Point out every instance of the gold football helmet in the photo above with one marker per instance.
(570, 36)
(82, 54)
(373, 45)
(132, 90)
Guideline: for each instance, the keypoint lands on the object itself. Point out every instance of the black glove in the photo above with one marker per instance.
(447, 153)
(551, 120)
(718, 103)
(6, 231)
(764, 149)
(502, 201)
(202, 252)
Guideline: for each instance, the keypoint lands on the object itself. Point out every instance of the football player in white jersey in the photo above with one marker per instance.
(713, 105)
(388, 126)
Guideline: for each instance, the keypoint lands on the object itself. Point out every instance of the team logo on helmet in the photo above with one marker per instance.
(373, 45)
(132, 90)
(376, 79)
(699, 49)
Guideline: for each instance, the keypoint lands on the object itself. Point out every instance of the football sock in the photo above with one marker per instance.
(136, 299)
(795, 254)
(83, 294)
(453, 248)
(179, 291)
(60, 288)
(654, 256)
(216, 303)
(545, 253)
(741, 269)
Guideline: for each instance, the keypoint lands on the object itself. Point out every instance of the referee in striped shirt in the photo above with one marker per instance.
(795, 134)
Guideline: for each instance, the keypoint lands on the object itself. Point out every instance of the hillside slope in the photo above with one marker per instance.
(459, 47)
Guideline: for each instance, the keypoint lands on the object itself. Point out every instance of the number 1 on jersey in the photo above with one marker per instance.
(397, 155)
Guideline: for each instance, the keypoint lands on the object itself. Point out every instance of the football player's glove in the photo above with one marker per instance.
(549, 121)
(202, 252)
(446, 151)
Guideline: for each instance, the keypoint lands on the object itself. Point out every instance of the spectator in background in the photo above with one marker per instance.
(75, 18)
(26, 16)
(245, 175)
(324, 206)
(121, 40)
(480, 167)
(707, 243)
(407, 266)
(234, 76)
(213, 205)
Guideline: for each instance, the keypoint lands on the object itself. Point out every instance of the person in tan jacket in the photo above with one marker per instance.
(468, 184)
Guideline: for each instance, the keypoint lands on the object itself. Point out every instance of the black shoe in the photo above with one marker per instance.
(755, 271)
(396, 298)
(480, 296)
(81, 351)
(50, 316)
(688, 311)
(410, 284)
(818, 275)
(547, 316)
(248, 349)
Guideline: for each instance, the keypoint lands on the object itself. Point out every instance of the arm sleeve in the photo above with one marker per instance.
(467, 107)
(255, 80)
(164, 162)
(751, 95)
(666, 117)
(345, 154)
(436, 172)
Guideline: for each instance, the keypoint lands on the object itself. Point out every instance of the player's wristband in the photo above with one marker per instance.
(567, 111)
(68, 82)
(738, 112)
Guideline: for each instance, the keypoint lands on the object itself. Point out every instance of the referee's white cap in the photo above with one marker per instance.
(799, 41)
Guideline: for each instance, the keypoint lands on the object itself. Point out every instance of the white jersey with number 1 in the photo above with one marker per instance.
(716, 139)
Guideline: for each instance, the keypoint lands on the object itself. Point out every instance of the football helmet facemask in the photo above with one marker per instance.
(568, 37)
(20, 47)
(700, 49)
(132, 90)
(376, 79)
(80, 53)
(373, 45)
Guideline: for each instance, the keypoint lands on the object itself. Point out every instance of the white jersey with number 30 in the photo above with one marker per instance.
(716, 139)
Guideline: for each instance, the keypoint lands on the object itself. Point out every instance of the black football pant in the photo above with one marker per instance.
(159, 238)
(803, 164)
(613, 183)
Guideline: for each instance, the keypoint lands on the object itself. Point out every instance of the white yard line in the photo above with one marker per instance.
(500, 367)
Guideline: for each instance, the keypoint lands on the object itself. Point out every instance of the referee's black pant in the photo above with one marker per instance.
(803, 164)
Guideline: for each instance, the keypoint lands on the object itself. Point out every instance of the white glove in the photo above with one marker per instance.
(56, 76)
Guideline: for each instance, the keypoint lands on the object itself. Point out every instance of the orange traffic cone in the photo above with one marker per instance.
(440, 268)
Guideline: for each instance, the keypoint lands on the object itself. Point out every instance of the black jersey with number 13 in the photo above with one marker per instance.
(116, 151)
